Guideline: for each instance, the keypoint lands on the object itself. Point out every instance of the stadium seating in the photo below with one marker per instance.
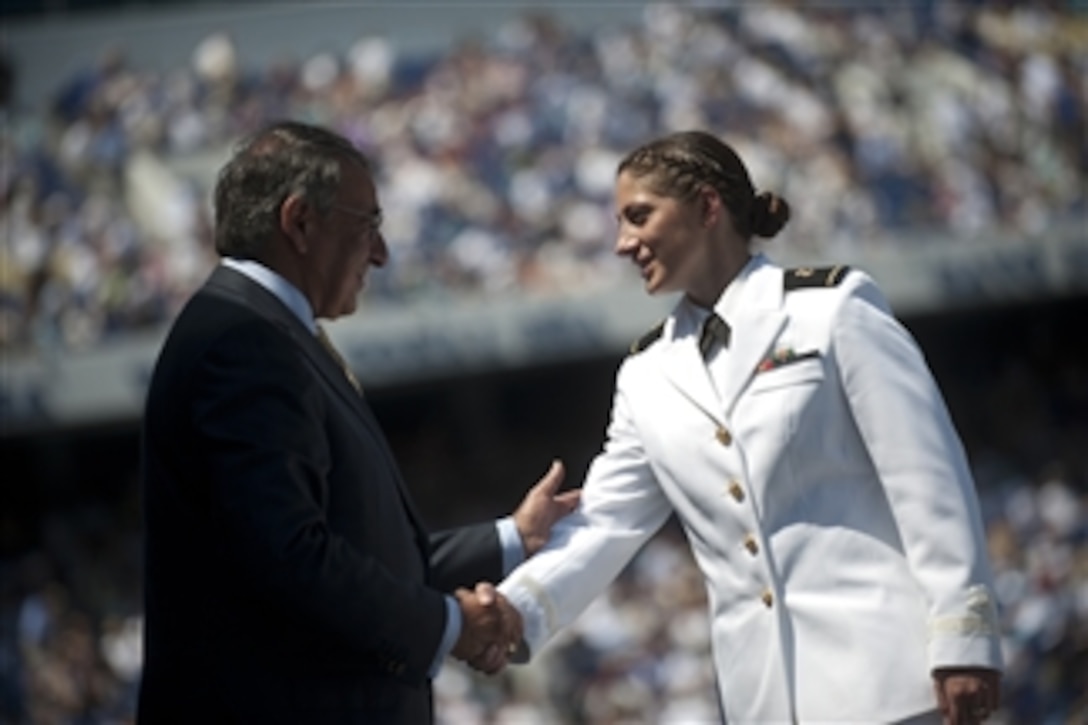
(921, 125)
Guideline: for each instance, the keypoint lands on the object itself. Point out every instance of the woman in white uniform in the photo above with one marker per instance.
(793, 426)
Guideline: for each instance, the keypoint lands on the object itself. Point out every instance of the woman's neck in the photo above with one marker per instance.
(721, 269)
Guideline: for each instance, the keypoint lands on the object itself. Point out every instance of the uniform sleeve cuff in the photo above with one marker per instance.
(534, 620)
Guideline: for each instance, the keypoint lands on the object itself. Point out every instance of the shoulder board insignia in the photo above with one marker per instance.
(648, 339)
(804, 277)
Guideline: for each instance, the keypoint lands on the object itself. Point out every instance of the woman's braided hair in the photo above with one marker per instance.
(681, 164)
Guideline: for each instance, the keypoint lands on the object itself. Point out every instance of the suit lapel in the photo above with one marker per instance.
(759, 321)
(330, 369)
(266, 304)
(683, 366)
(332, 372)
(247, 292)
(752, 335)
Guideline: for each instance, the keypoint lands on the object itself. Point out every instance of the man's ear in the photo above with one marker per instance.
(296, 214)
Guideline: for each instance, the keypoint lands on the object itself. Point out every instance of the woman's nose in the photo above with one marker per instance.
(626, 243)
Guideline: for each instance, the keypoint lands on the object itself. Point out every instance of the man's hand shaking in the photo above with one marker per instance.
(490, 628)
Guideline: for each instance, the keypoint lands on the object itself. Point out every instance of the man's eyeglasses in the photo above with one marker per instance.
(373, 217)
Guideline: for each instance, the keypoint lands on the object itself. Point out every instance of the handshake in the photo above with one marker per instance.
(491, 628)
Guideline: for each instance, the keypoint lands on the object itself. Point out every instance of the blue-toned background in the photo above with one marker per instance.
(941, 146)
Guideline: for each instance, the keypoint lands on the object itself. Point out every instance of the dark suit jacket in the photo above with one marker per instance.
(288, 576)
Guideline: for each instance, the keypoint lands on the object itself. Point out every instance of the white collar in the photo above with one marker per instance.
(690, 316)
(284, 291)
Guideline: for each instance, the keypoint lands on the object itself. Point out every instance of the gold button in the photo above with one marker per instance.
(768, 598)
(723, 436)
(735, 490)
(751, 545)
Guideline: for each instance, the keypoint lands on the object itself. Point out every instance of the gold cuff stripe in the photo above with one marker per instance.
(969, 625)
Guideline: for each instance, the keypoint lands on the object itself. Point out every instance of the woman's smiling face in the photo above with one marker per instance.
(664, 236)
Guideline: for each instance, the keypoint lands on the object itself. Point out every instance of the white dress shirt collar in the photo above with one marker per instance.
(728, 305)
(284, 291)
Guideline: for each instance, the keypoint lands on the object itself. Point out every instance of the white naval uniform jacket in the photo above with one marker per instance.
(827, 501)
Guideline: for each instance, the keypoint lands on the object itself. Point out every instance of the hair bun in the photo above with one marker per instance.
(770, 213)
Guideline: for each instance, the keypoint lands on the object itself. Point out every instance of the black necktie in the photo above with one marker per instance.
(715, 330)
(326, 343)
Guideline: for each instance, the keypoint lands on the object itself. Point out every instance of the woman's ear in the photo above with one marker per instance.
(296, 214)
(711, 206)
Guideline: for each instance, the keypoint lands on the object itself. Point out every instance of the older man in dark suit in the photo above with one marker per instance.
(288, 575)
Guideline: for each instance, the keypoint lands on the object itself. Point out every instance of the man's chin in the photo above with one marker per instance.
(348, 308)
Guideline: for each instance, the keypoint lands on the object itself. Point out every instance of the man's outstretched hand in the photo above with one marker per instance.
(542, 507)
(967, 695)
(490, 628)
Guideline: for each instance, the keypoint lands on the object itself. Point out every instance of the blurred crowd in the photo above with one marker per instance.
(890, 124)
(70, 578)
(495, 159)
(70, 616)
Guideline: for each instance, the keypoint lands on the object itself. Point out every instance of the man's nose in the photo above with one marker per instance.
(379, 255)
